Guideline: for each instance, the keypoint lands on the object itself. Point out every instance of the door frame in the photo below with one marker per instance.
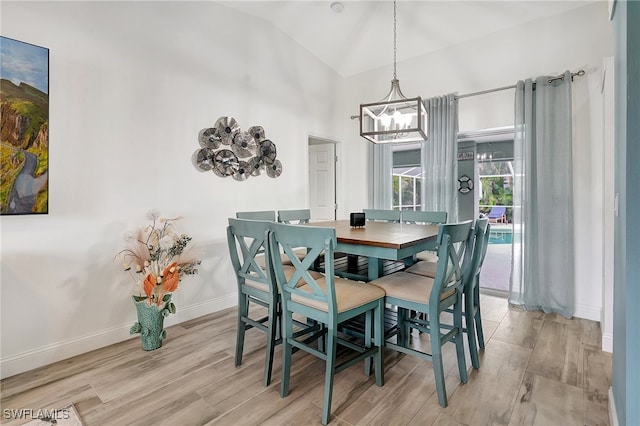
(313, 139)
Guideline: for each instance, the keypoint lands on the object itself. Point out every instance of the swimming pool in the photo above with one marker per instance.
(501, 236)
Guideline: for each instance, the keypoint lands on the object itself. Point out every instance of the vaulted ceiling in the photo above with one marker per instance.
(360, 37)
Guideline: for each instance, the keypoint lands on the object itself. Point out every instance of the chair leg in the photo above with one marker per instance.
(271, 341)
(436, 358)
(367, 341)
(457, 322)
(408, 330)
(404, 329)
(478, 316)
(322, 339)
(375, 329)
(479, 332)
(278, 320)
(471, 333)
(287, 333)
(243, 308)
(329, 372)
(378, 340)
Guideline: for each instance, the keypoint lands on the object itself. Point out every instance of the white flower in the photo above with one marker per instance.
(129, 236)
(150, 251)
(166, 242)
(153, 214)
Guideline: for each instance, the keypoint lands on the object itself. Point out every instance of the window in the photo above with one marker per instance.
(407, 177)
(407, 183)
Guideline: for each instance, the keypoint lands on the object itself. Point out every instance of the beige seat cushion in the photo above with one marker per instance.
(410, 287)
(261, 261)
(301, 253)
(427, 256)
(288, 272)
(426, 269)
(349, 294)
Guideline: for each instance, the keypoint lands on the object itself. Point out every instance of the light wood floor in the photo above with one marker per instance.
(537, 369)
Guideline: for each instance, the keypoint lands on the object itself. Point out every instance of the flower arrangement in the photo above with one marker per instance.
(156, 259)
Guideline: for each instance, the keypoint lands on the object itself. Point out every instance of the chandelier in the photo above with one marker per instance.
(396, 118)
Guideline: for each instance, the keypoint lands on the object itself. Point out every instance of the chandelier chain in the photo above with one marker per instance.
(395, 36)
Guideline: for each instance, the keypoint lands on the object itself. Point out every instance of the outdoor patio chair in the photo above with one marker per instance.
(498, 214)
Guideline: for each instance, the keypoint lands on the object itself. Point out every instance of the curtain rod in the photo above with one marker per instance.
(579, 73)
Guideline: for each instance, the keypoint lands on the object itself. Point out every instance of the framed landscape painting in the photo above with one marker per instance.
(24, 131)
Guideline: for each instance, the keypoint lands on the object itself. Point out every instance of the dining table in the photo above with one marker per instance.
(379, 240)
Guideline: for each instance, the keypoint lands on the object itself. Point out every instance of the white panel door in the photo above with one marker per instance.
(322, 182)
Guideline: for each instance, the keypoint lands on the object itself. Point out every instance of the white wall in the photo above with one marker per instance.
(131, 85)
(579, 39)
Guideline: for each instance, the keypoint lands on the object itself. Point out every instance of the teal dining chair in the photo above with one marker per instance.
(247, 241)
(471, 304)
(379, 215)
(294, 216)
(428, 259)
(420, 301)
(382, 215)
(328, 300)
(424, 218)
(421, 217)
(472, 313)
(249, 252)
(269, 215)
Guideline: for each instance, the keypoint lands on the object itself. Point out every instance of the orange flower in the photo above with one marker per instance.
(171, 278)
(149, 284)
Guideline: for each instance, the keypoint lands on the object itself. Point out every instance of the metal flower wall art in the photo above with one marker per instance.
(227, 150)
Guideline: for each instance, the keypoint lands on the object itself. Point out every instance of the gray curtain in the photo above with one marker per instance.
(440, 157)
(542, 275)
(382, 176)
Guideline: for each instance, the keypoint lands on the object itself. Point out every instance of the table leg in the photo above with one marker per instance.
(375, 268)
(408, 261)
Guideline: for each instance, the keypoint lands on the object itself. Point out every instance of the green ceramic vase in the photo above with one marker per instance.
(150, 323)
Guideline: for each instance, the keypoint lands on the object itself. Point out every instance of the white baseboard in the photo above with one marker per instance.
(613, 415)
(25, 361)
(607, 342)
(589, 312)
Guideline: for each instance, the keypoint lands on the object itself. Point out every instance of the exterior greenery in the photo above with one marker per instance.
(406, 192)
(496, 181)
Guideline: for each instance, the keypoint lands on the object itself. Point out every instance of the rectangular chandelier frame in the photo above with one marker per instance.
(412, 116)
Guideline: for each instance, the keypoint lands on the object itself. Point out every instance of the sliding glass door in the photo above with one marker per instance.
(495, 200)
(494, 185)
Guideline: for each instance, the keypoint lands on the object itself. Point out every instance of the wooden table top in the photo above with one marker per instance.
(381, 234)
